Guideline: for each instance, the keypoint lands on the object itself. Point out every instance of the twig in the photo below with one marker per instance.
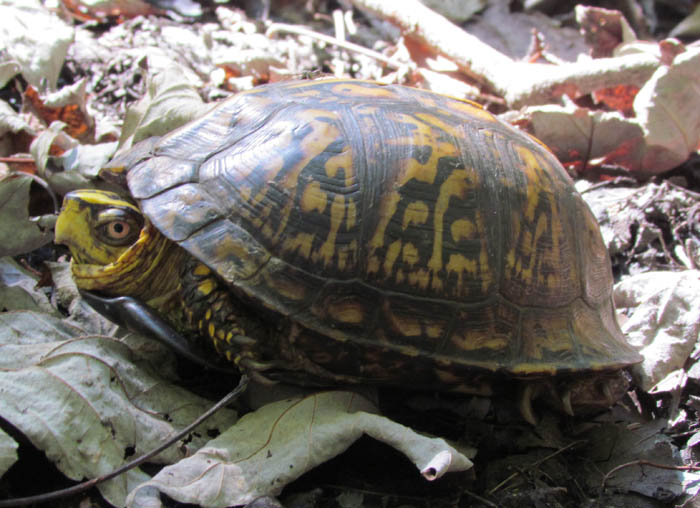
(535, 464)
(642, 462)
(520, 83)
(300, 30)
(82, 487)
(479, 498)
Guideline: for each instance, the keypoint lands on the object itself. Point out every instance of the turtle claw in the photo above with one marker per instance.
(527, 394)
(242, 340)
(255, 366)
(566, 403)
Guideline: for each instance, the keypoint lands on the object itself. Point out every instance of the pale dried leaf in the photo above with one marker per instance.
(11, 121)
(613, 445)
(661, 135)
(81, 166)
(84, 402)
(41, 145)
(18, 289)
(8, 70)
(663, 310)
(171, 101)
(20, 232)
(662, 108)
(36, 39)
(8, 452)
(276, 444)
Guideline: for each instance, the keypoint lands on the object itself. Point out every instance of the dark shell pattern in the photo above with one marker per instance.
(385, 218)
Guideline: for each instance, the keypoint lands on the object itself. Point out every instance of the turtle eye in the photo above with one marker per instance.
(118, 227)
(118, 230)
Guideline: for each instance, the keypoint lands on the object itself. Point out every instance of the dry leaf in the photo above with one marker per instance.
(39, 51)
(20, 232)
(663, 310)
(8, 452)
(83, 401)
(279, 442)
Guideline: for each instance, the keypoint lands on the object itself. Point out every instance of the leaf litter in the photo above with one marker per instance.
(634, 123)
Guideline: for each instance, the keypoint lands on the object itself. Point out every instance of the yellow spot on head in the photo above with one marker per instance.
(206, 286)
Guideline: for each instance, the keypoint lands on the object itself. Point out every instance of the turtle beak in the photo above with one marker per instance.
(71, 225)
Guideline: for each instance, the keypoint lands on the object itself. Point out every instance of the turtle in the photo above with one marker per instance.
(345, 232)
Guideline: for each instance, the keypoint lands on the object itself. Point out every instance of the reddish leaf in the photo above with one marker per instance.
(103, 10)
(71, 115)
(620, 97)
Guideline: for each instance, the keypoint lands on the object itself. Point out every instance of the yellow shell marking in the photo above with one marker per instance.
(325, 252)
(392, 253)
(301, 242)
(387, 210)
(416, 213)
(457, 185)
(410, 254)
(360, 90)
(347, 312)
(463, 229)
(313, 198)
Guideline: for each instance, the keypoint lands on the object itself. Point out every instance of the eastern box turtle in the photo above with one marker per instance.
(354, 232)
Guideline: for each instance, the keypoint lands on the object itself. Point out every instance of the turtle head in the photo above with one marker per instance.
(98, 226)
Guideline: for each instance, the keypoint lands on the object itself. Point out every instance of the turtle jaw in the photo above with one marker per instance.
(78, 222)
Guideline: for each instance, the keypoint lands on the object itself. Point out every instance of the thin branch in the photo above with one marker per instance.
(300, 30)
(520, 83)
(535, 464)
(82, 487)
(645, 463)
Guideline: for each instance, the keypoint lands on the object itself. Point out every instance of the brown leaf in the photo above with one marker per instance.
(603, 29)
(77, 125)
(620, 97)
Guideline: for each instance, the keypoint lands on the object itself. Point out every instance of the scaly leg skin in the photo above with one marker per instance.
(211, 311)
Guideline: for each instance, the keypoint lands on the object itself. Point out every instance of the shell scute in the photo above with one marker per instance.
(406, 225)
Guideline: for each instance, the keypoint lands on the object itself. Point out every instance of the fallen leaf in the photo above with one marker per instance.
(66, 105)
(84, 401)
(170, 101)
(615, 445)
(18, 289)
(663, 320)
(603, 29)
(8, 452)
(40, 51)
(662, 109)
(20, 232)
(279, 442)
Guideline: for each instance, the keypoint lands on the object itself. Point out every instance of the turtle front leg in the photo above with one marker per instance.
(212, 312)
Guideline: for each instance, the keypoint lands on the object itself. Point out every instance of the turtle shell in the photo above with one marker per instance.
(388, 219)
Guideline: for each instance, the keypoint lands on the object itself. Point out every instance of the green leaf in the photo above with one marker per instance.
(8, 452)
(88, 403)
(20, 232)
